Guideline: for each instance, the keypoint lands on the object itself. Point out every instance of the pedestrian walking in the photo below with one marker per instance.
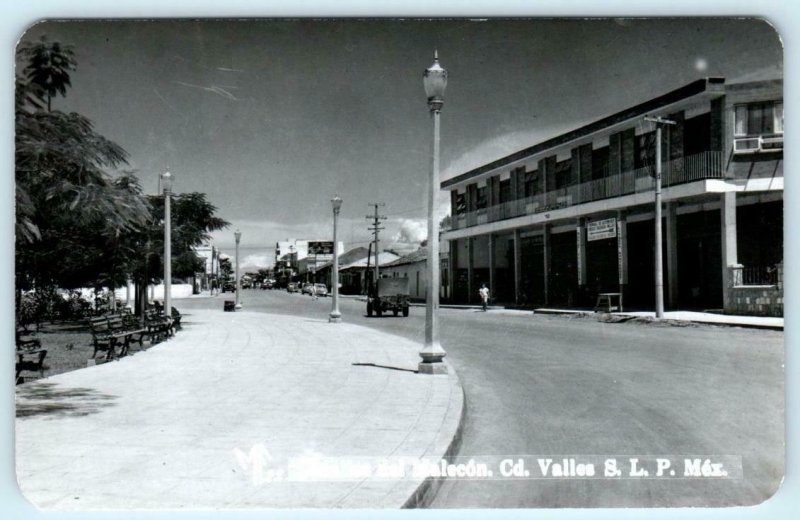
(484, 294)
(313, 292)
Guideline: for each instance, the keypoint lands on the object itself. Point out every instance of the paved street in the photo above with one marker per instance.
(557, 386)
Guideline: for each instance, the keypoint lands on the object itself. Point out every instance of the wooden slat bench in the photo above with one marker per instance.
(112, 330)
(30, 355)
(31, 360)
(176, 317)
(157, 324)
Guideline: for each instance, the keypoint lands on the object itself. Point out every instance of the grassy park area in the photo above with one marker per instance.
(69, 347)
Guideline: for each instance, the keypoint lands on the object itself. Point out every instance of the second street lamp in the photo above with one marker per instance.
(238, 236)
(335, 316)
(432, 353)
(166, 184)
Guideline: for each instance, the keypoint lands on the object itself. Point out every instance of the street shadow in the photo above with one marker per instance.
(48, 399)
(386, 366)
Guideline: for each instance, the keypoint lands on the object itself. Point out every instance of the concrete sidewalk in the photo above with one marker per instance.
(229, 413)
(762, 322)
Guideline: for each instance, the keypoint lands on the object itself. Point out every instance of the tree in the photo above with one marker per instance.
(77, 224)
(193, 220)
(225, 268)
(48, 67)
(71, 214)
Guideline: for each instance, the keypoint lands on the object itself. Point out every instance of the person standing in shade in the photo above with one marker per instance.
(484, 294)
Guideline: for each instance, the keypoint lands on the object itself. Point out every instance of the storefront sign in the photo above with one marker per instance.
(620, 253)
(600, 229)
(581, 280)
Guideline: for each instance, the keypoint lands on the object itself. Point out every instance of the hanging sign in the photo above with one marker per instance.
(600, 229)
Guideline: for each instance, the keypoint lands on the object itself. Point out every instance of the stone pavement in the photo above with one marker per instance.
(239, 411)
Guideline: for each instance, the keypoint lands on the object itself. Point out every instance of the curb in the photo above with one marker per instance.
(427, 490)
(662, 320)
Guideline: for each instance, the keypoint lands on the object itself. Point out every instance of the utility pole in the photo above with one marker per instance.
(376, 228)
(658, 254)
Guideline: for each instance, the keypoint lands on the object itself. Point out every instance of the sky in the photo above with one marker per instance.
(272, 118)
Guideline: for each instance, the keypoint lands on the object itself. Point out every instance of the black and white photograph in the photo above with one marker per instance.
(387, 263)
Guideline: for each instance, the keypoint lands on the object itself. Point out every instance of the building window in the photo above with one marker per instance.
(482, 197)
(530, 183)
(505, 191)
(562, 173)
(461, 204)
(758, 119)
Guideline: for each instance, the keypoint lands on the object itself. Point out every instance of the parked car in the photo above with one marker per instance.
(268, 284)
(321, 288)
(307, 287)
(228, 286)
(292, 287)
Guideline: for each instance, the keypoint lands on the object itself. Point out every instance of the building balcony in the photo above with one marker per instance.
(704, 165)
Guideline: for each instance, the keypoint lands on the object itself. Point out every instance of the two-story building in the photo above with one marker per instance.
(573, 216)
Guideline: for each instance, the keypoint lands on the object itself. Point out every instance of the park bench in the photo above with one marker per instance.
(112, 330)
(30, 355)
(176, 317)
(157, 324)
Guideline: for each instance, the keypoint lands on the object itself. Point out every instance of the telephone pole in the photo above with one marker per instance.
(659, 261)
(376, 228)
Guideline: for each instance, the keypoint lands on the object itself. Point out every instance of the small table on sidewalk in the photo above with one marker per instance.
(605, 302)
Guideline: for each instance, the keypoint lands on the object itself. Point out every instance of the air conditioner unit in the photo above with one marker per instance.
(772, 144)
(746, 145)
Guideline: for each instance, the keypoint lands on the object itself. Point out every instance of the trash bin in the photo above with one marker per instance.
(230, 306)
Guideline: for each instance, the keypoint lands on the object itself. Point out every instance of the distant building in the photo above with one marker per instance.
(412, 266)
(304, 257)
(558, 222)
(356, 269)
(209, 255)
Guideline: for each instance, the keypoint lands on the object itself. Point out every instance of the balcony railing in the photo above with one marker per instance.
(760, 275)
(704, 165)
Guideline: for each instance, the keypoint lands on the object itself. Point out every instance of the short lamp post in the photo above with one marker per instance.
(432, 353)
(166, 184)
(238, 236)
(335, 316)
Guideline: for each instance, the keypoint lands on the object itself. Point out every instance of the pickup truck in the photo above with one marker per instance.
(391, 295)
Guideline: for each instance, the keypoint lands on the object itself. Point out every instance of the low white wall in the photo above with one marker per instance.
(156, 292)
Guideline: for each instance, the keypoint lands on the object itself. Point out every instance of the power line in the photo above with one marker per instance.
(376, 228)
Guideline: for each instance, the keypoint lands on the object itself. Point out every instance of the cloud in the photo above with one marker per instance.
(256, 261)
(501, 146)
(213, 88)
(412, 231)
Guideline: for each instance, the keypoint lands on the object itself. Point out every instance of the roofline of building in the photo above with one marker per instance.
(694, 88)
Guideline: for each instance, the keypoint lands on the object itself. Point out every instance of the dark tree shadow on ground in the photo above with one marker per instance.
(54, 401)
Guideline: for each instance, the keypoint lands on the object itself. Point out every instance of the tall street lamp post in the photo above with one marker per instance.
(659, 261)
(238, 236)
(432, 353)
(166, 184)
(335, 316)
